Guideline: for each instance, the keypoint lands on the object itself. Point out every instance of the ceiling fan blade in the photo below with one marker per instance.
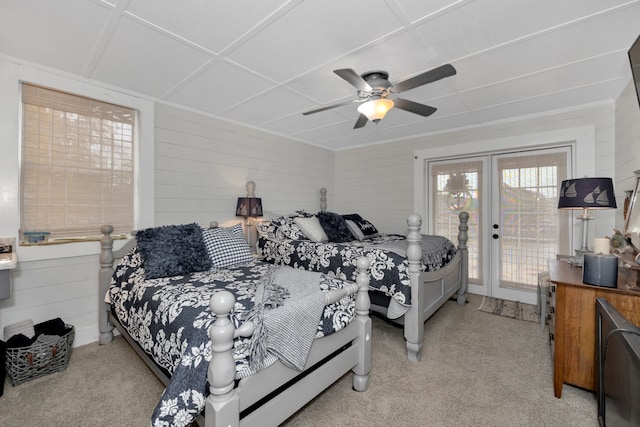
(414, 107)
(362, 120)
(328, 107)
(424, 78)
(354, 78)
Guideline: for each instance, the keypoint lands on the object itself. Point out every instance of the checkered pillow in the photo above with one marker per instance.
(225, 248)
(236, 230)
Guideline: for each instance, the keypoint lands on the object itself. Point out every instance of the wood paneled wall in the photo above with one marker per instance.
(202, 165)
(627, 148)
(377, 181)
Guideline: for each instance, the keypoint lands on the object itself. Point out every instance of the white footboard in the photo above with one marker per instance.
(226, 401)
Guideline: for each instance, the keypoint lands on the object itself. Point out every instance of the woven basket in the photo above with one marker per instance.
(39, 359)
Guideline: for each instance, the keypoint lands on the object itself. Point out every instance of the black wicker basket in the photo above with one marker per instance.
(39, 359)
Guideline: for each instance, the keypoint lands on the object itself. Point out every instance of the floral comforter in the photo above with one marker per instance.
(170, 318)
(389, 271)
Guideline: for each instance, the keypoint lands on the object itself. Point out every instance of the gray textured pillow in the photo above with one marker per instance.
(172, 250)
(335, 227)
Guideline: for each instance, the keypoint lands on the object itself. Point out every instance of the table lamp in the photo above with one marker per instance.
(249, 207)
(585, 194)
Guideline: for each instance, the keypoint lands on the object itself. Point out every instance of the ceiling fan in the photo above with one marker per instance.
(374, 89)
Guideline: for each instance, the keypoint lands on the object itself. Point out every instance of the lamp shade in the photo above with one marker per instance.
(587, 193)
(376, 109)
(249, 207)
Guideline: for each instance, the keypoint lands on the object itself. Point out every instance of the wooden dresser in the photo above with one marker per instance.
(572, 323)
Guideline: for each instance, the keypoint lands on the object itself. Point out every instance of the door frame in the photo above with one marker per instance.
(582, 140)
(527, 296)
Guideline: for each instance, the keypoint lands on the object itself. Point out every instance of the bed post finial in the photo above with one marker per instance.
(323, 199)
(251, 189)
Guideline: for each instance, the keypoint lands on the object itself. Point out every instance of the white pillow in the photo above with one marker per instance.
(311, 228)
(355, 230)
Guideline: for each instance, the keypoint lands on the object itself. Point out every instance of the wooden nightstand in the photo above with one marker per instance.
(572, 323)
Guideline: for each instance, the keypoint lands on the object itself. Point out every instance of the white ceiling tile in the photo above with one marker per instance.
(417, 9)
(212, 24)
(313, 33)
(544, 103)
(600, 70)
(218, 88)
(474, 26)
(266, 107)
(46, 33)
(264, 63)
(297, 123)
(534, 54)
(129, 62)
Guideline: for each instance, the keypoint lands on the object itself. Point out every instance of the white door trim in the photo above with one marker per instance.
(582, 139)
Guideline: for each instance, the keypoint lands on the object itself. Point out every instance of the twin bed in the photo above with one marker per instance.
(411, 276)
(202, 328)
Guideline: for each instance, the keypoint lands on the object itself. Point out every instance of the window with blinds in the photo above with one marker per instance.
(77, 166)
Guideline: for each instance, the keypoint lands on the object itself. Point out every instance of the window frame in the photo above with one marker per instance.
(11, 77)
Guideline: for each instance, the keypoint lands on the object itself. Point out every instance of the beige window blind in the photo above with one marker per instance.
(77, 166)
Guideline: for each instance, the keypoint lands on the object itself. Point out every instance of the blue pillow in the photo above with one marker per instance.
(172, 250)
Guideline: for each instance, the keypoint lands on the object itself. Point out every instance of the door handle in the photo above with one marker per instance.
(495, 227)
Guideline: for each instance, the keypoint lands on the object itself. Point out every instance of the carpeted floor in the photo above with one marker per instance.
(511, 309)
(477, 370)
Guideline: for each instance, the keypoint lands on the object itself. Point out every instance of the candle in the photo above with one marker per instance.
(600, 270)
(601, 245)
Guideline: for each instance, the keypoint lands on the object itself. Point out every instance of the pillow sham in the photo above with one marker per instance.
(367, 229)
(355, 229)
(311, 228)
(236, 230)
(226, 249)
(267, 229)
(288, 229)
(172, 250)
(335, 227)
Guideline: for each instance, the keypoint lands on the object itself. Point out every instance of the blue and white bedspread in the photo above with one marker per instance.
(389, 271)
(170, 318)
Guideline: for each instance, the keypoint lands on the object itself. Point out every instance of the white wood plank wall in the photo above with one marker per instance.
(627, 152)
(201, 166)
(377, 181)
(61, 287)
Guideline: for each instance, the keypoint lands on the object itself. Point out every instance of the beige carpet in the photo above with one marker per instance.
(477, 370)
(511, 309)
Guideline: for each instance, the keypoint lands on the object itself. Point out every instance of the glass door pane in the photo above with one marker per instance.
(525, 218)
(456, 186)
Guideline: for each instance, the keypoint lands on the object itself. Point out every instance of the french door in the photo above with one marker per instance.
(512, 200)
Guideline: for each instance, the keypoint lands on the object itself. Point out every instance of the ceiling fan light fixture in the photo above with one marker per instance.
(376, 109)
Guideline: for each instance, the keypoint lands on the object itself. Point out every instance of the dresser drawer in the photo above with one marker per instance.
(551, 315)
